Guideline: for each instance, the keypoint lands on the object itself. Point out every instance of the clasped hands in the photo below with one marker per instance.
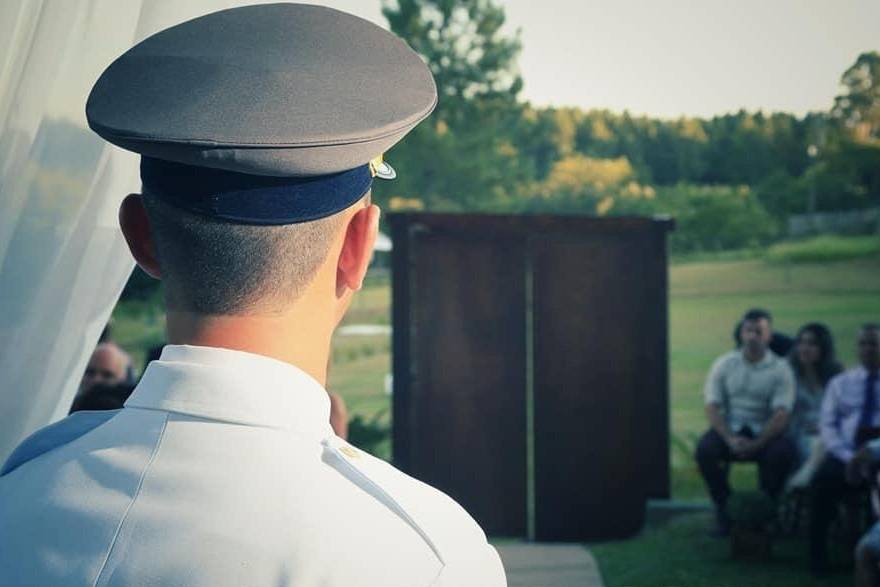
(742, 446)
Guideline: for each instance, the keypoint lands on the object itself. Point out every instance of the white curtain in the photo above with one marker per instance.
(63, 261)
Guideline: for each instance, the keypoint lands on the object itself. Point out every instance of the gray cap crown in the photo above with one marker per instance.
(278, 89)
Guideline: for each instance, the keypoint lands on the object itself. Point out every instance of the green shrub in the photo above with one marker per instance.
(711, 217)
(822, 249)
(721, 218)
(373, 435)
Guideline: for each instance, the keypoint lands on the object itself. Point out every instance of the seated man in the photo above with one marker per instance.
(749, 394)
(102, 396)
(108, 365)
(863, 466)
(106, 382)
(849, 418)
(781, 344)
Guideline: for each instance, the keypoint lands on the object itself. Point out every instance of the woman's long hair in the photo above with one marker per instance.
(827, 365)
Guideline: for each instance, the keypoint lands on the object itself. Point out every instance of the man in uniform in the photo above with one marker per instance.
(259, 130)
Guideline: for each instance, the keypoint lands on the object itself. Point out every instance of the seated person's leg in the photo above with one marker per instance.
(713, 456)
(868, 558)
(814, 455)
(826, 490)
(775, 463)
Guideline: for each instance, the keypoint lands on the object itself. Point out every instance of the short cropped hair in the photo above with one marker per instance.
(752, 315)
(216, 267)
(756, 314)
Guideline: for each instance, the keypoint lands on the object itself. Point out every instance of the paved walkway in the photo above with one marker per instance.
(549, 565)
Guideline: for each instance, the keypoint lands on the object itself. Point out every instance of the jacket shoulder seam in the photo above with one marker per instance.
(134, 497)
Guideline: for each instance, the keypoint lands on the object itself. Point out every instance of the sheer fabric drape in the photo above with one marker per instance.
(63, 261)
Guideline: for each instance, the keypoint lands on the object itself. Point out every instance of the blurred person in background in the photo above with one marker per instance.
(863, 468)
(777, 342)
(749, 394)
(153, 354)
(108, 365)
(814, 363)
(107, 337)
(849, 419)
(102, 396)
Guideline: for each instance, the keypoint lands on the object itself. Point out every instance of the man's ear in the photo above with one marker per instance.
(135, 225)
(357, 249)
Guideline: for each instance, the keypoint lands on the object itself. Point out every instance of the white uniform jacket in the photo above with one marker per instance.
(222, 470)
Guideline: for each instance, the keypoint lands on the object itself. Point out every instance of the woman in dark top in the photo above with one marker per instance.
(814, 363)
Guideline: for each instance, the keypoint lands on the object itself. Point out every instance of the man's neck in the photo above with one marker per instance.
(301, 339)
(754, 356)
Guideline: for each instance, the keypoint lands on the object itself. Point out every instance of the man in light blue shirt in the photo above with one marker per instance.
(749, 394)
(863, 466)
(850, 417)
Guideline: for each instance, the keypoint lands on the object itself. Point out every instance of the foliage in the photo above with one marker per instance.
(577, 172)
(824, 249)
(473, 63)
(848, 177)
(484, 150)
(372, 435)
(858, 107)
(142, 287)
(462, 159)
(783, 195)
(735, 148)
(709, 218)
(578, 183)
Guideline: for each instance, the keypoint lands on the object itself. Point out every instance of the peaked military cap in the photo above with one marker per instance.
(267, 114)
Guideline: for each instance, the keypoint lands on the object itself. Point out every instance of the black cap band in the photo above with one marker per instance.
(253, 199)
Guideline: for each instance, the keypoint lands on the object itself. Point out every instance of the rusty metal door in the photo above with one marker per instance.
(600, 411)
(459, 405)
(530, 368)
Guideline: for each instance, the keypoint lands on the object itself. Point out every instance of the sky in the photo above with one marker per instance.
(661, 58)
(683, 57)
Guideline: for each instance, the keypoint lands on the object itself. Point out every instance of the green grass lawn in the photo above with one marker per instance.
(679, 553)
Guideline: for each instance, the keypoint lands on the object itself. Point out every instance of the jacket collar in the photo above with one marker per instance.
(768, 359)
(235, 387)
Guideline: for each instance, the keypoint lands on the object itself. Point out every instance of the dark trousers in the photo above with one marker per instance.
(826, 491)
(776, 460)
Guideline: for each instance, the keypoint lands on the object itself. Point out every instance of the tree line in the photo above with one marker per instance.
(731, 181)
